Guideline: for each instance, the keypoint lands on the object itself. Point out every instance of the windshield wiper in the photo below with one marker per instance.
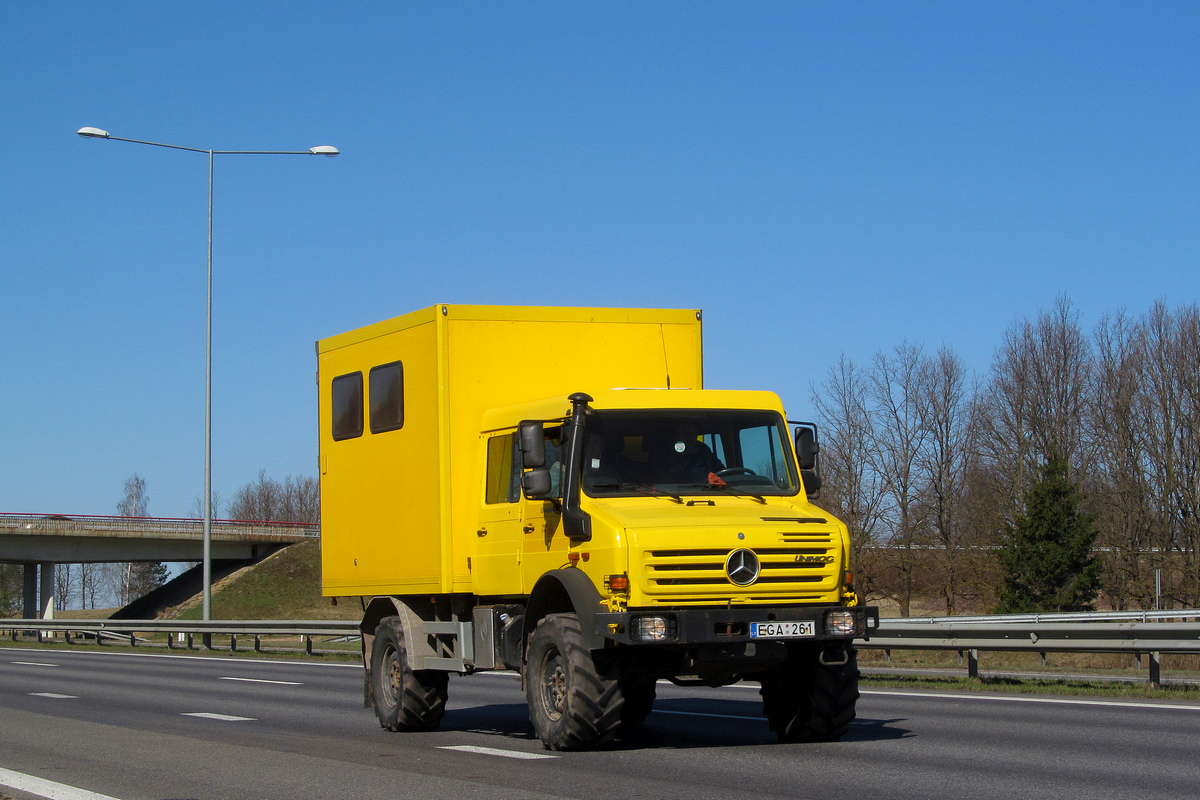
(734, 492)
(644, 488)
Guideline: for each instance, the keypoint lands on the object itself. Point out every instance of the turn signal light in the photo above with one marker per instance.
(617, 583)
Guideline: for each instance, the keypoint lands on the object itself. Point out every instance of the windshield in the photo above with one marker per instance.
(687, 452)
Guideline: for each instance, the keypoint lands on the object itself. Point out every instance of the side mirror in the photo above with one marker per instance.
(532, 441)
(807, 450)
(807, 447)
(536, 483)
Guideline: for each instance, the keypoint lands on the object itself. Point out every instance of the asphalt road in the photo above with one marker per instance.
(124, 726)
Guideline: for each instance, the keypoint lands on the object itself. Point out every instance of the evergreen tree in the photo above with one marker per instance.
(1047, 554)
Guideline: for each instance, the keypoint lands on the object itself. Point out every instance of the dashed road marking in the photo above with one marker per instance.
(44, 788)
(54, 695)
(260, 680)
(221, 717)
(494, 751)
(33, 664)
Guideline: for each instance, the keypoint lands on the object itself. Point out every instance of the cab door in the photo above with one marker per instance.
(543, 543)
(497, 565)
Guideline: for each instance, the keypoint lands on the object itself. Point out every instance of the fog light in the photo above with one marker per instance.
(653, 629)
(840, 623)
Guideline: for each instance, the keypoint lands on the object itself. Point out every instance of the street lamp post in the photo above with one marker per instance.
(321, 150)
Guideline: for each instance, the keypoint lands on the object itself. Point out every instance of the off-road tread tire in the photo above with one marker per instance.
(807, 701)
(592, 704)
(421, 696)
(639, 694)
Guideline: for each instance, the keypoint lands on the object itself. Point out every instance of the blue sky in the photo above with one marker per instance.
(820, 178)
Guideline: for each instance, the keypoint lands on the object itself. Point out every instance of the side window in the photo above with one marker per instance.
(347, 406)
(554, 461)
(503, 476)
(387, 397)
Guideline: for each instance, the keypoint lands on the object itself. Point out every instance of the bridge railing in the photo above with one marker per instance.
(135, 526)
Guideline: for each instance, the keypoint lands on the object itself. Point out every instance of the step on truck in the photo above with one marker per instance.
(553, 491)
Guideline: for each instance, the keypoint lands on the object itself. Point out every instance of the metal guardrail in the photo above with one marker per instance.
(127, 630)
(1075, 616)
(1134, 633)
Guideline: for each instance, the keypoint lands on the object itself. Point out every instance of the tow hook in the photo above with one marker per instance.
(829, 656)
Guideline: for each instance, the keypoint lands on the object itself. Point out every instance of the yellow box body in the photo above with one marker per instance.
(401, 510)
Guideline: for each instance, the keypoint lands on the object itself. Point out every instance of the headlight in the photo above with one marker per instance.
(653, 629)
(840, 623)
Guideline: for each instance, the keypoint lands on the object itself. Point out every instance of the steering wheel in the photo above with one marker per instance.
(735, 471)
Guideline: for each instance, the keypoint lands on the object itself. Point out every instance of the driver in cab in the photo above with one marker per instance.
(683, 457)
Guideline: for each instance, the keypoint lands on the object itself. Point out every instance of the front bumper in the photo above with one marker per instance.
(728, 625)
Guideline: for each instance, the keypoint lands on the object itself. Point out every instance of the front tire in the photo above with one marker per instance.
(807, 701)
(405, 699)
(570, 705)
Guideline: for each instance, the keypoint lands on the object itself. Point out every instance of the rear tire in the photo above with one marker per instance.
(405, 699)
(807, 701)
(570, 705)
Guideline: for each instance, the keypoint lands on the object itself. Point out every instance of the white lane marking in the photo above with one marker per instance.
(33, 664)
(702, 714)
(260, 680)
(44, 788)
(1063, 701)
(221, 717)
(494, 751)
(54, 695)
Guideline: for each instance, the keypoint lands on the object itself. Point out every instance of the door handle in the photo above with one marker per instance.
(528, 528)
(481, 532)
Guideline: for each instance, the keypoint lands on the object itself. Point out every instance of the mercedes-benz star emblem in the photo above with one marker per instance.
(742, 567)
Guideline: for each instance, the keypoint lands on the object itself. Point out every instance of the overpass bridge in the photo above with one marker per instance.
(39, 541)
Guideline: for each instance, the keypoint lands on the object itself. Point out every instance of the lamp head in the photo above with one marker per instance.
(92, 133)
(320, 150)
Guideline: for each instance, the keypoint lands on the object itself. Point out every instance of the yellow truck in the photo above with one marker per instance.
(553, 491)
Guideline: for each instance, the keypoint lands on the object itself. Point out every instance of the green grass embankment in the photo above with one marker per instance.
(285, 585)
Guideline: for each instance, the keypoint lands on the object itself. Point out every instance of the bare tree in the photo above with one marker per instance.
(136, 501)
(852, 489)
(90, 579)
(302, 499)
(945, 400)
(1036, 402)
(130, 581)
(296, 499)
(1119, 483)
(214, 506)
(1170, 406)
(65, 581)
(897, 449)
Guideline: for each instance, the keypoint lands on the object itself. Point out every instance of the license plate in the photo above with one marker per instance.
(782, 630)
